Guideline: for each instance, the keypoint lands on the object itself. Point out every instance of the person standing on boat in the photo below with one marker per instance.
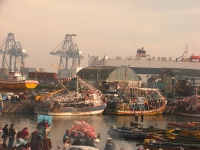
(67, 143)
(66, 135)
(110, 145)
(5, 135)
(11, 134)
(89, 142)
(77, 141)
(47, 143)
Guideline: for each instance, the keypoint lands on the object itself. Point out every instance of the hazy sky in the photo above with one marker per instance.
(103, 27)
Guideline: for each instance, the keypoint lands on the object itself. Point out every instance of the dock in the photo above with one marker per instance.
(25, 106)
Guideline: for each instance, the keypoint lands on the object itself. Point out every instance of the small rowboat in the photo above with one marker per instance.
(44, 122)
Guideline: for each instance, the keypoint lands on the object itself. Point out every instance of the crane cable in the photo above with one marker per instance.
(59, 44)
(178, 86)
(2, 42)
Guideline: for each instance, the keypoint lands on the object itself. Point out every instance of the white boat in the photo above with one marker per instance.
(79, 103)
(79, 147)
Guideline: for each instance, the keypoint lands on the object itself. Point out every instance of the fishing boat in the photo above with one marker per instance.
(171, 146)
(86, 100)
(16, 82)
(136, 101)
(83, 130)
(185, 125)
(189, 106)
(44, 122)
(135, 132)
(127, 132)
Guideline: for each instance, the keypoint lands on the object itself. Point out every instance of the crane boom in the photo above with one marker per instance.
(55, 66)
(19, 63)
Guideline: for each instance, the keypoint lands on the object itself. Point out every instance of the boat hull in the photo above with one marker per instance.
(70, 111)
(188, 114)
(18, 85)
(159, 147)
(150, 112)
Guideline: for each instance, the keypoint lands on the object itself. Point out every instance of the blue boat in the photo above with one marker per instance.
(127, 132)
(44, 122)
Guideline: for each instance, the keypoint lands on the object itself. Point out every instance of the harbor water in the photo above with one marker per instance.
(101, 125)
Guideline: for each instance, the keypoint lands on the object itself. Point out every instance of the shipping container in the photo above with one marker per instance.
(43, 75)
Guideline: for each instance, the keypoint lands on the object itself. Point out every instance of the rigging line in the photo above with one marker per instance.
(58, 45)
(178, 86)
(4, 40)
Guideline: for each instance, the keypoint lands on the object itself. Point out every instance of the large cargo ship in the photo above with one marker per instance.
(145, 65)
(16, 82)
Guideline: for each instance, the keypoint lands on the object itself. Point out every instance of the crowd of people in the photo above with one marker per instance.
(33, 141)
(24, 140)
(136, 99)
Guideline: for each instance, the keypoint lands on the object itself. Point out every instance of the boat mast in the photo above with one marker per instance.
(77, 87)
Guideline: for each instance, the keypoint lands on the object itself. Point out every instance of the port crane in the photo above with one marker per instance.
(9, 47)
(68, 49)
(184, 56)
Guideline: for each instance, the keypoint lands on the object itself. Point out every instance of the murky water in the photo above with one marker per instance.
(101, 125)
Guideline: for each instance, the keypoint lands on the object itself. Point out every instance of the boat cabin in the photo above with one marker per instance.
(15, 76)
(140, 100)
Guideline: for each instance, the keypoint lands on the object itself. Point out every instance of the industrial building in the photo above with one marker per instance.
(110, 78)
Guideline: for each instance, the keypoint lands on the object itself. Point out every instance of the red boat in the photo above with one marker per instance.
(183, 125)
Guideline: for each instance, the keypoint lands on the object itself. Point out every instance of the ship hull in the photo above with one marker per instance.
(70, 111)
(149, 113)
(18, 85)
(187, 114)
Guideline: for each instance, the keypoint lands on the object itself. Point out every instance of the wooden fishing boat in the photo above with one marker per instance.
(186, 125)
(44, 122)
(78, 103)
(192, 109)
(83, 130)
(134, 132)
(170, 147)
(140, 101)
(128, 133)
(154, 145)
(16, 82)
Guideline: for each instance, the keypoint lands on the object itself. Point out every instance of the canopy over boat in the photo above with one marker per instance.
(44, 118)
